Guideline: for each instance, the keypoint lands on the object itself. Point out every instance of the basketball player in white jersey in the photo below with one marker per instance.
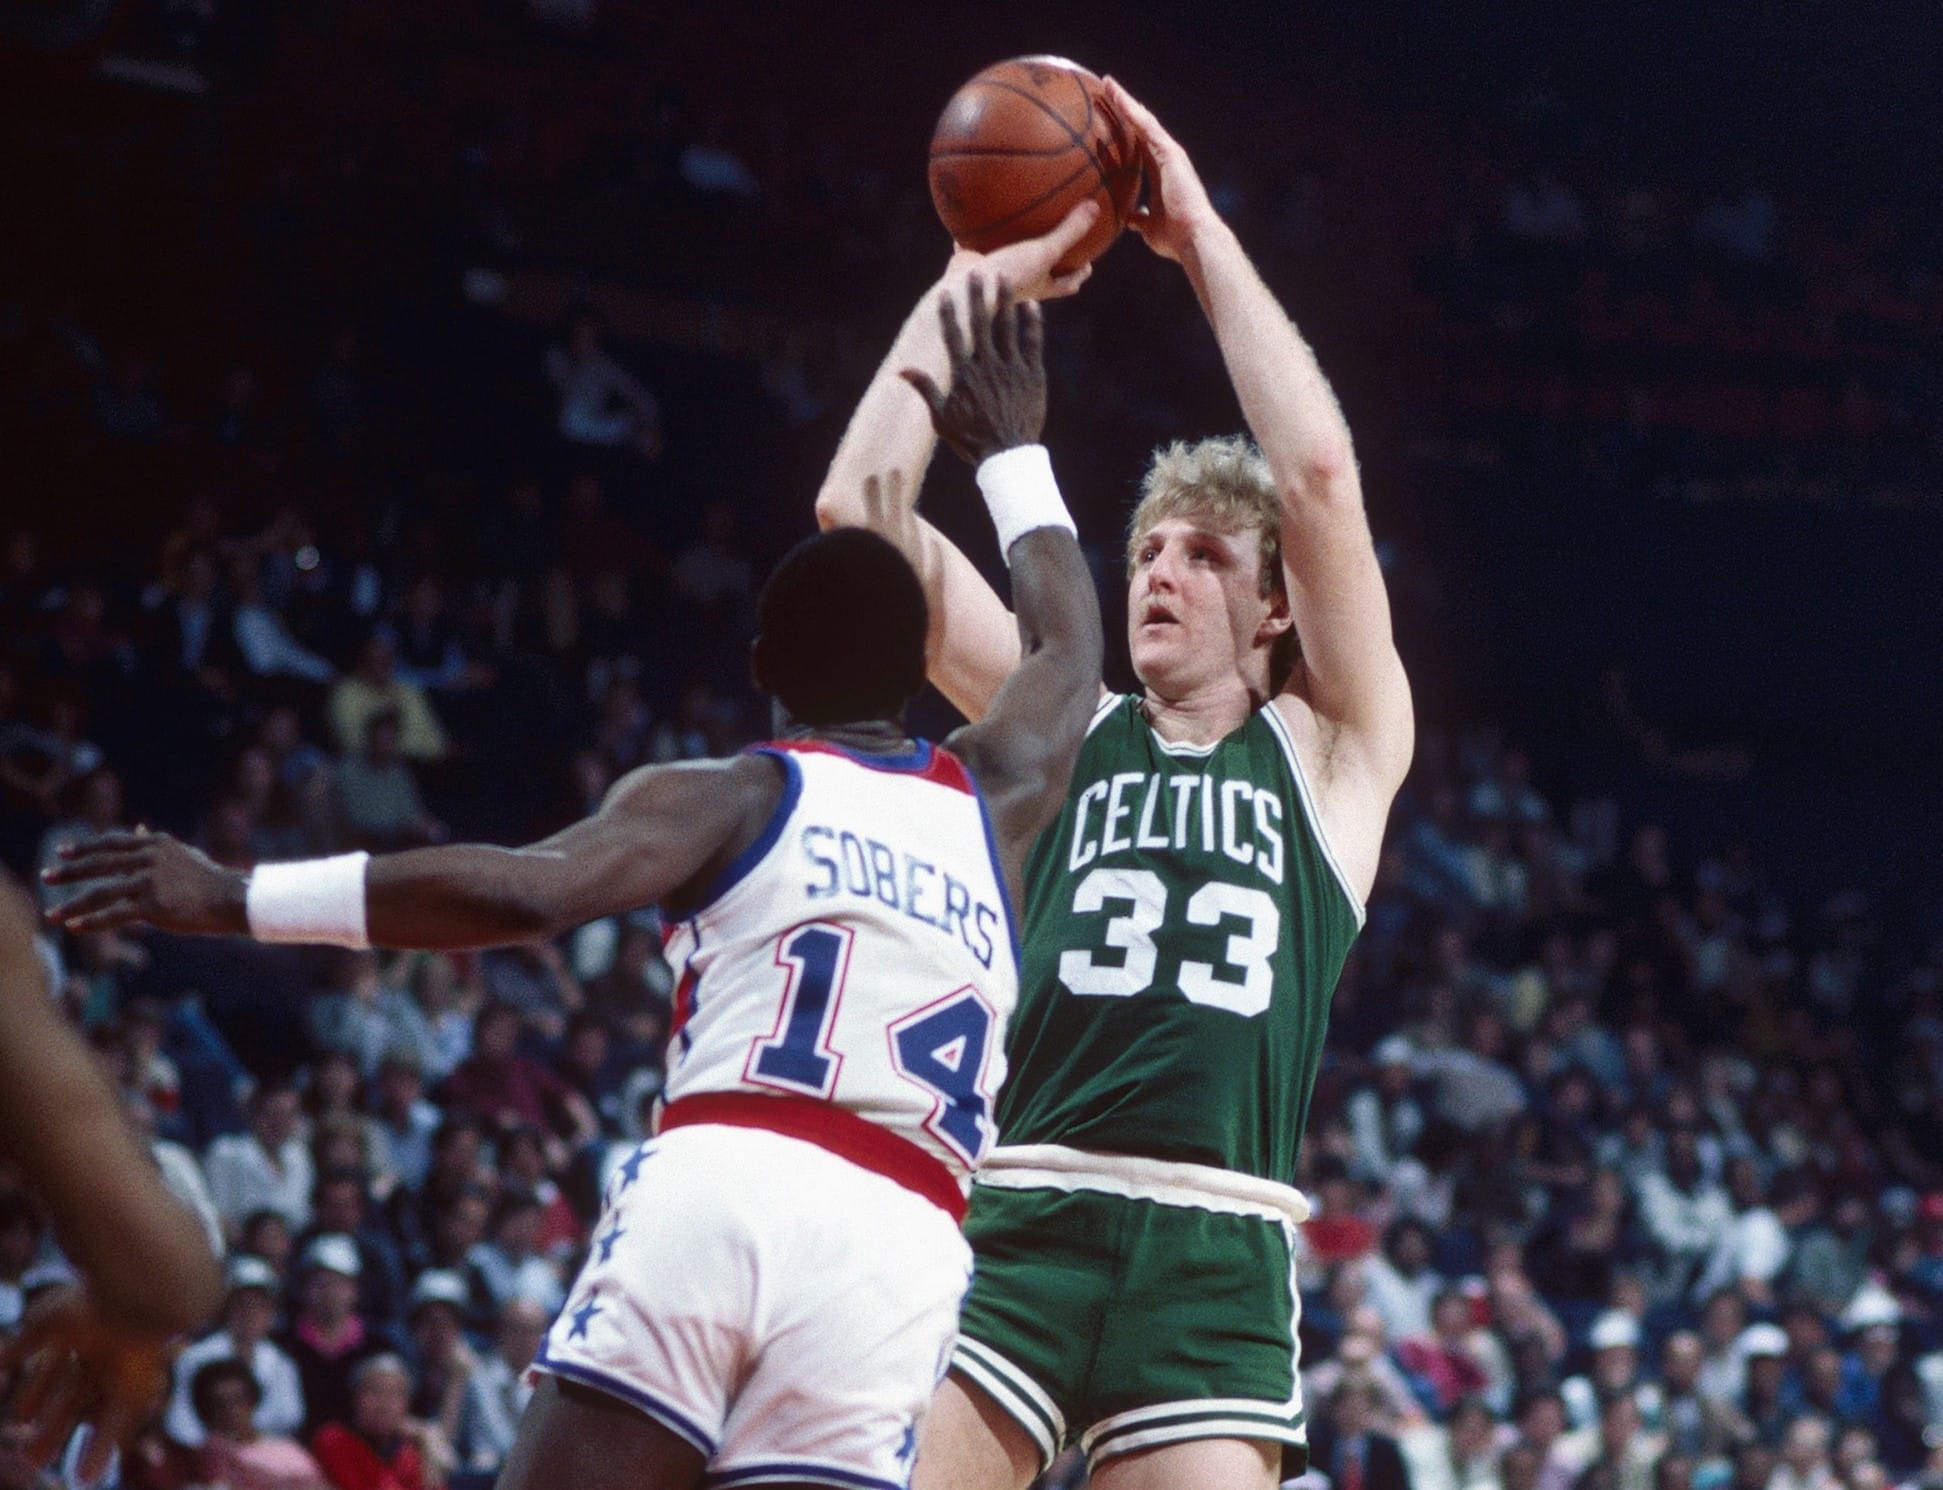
(773, 1288)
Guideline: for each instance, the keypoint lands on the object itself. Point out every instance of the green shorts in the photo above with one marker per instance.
(1132, 1302)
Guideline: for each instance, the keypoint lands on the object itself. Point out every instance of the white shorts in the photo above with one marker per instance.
(786, 1311)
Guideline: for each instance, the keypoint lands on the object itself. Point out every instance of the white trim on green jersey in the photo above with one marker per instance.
(1052, 1166)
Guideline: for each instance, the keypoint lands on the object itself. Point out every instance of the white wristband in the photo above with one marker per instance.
(312, 900)
(1021, 494)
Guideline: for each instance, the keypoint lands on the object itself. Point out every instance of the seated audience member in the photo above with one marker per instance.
(442, 1359)
(499, 1085)
(341, 1205)
(249, 1314)
(374, 686)
(236, 1452)
(499, 1390)
(378, 1445)
(1347, 1447)
(376, 797)
(328, 1339)
(509, 1259)
(267, 1168)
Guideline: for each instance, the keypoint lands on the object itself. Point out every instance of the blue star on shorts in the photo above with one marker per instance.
(583, 1315)
(631, 1170)
(606, 1243)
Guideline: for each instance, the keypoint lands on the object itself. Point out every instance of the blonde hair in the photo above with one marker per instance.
(1224, 481)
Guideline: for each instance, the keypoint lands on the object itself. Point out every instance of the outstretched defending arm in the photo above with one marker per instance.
(661, 828)
(875, 475)
(1022, 751)
(1350, 675)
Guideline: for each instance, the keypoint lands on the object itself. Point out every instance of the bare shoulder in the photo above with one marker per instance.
(1351, 771)
(732, 797)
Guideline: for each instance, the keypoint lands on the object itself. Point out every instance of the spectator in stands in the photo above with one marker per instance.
(366, 1016)
(1804, 1457)
(339, 1207)
(498, 1084)
(1384, 1117)
(1455, 1358)
(499, 1389)
(1760, 1399)
(374, 685)
(327, 1338)
(442, 1359)
(1463, 1455)
(405, 1120)
(1685, 1214)
(267, 1168)
(237, 1449)
(510, 1260)
(1831, 1261)
(377, 800)
(1694, 1423)
(249, 1315)
(1401, 1281)
(1625, 1453)
(377, 1444)
(1758, 1242)
(265, 643)
(1541, 1428)
(601, 403)
(1614, 1341)
(1348, 1449)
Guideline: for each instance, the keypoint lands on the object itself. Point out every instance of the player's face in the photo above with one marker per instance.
(1195, 609)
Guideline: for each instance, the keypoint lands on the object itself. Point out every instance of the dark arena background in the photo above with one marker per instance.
(1636, 313)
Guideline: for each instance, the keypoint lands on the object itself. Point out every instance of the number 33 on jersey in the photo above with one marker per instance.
(860, 952)
(1189, 925)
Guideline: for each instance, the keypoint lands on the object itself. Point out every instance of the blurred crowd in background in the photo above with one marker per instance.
(400, 407)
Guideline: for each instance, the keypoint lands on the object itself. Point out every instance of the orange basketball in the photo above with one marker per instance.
(1020, 146)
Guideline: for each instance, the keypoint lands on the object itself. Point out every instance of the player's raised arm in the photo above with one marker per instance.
(661, 828)
(879, 466)
(1022, 751)
(1350, 674)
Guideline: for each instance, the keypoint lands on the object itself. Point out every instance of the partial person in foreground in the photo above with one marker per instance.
(775, 1280)
(1186, 918)
(94, 1353)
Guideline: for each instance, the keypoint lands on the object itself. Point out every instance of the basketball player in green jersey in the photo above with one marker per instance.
(1186, 916)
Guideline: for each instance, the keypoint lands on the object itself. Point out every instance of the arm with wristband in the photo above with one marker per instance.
(1022, 750)
(874, 477)
(661, 830)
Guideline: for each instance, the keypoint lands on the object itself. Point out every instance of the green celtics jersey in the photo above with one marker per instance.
(1185, 925)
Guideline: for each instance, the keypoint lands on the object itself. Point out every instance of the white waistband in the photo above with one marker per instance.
(1051, 1166)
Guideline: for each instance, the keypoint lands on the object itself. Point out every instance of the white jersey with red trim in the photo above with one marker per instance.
(860, 952)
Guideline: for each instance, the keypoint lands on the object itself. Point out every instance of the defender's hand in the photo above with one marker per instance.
(998, 380)
(1177, 206)
(1030, 266)
(78, 1366)
(148, 877)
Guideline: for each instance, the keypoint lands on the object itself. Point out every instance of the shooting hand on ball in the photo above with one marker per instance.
(998, 378)
(1030, 266)
(1177, 206)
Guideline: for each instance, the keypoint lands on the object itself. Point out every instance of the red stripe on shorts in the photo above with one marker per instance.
(836, 1129)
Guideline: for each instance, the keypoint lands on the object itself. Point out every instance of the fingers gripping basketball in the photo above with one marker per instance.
(1021, 145)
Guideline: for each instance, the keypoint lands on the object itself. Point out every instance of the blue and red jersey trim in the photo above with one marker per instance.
(924, 760)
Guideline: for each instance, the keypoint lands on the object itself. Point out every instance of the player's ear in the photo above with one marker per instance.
(1276, 623)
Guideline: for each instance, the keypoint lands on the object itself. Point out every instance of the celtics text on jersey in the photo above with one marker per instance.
(1185, 925)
